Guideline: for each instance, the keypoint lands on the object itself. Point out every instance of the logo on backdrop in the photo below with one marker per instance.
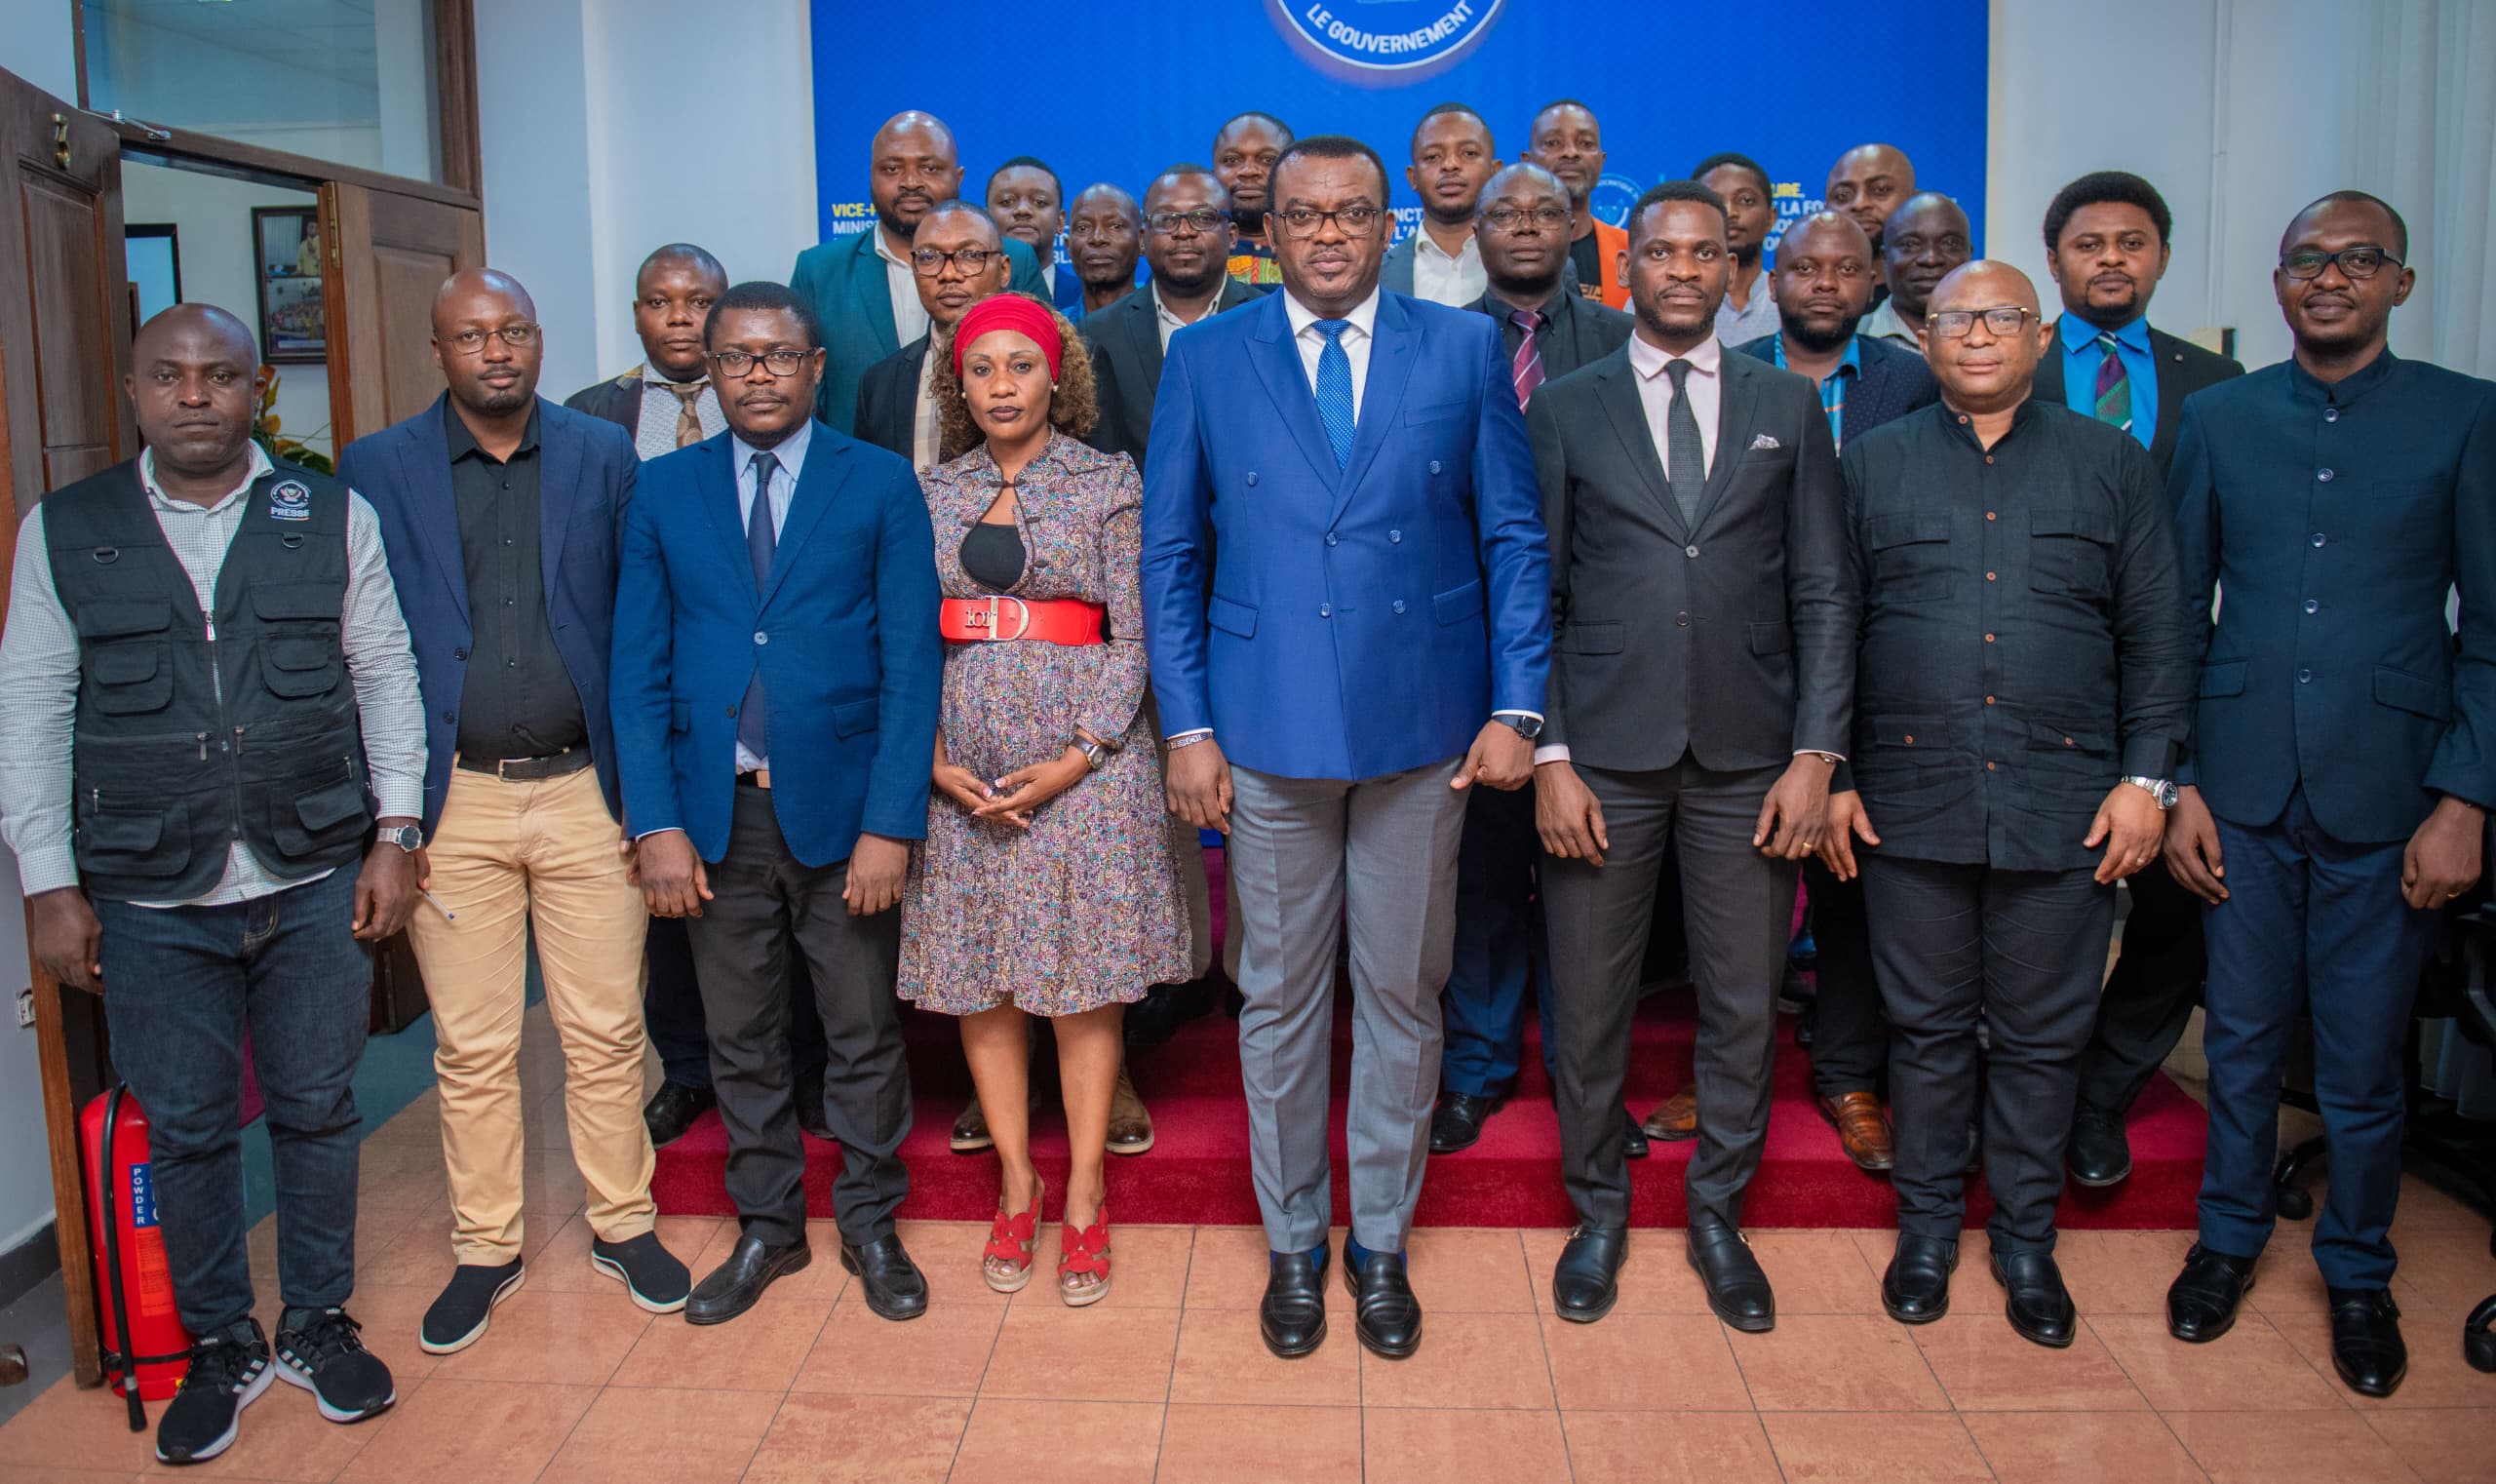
(1612, 196)
(291, 501)
(1404, 37)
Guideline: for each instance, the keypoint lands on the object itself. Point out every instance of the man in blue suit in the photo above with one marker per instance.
(858, 287)
(499, 510)
(2344, 753)
(1347, 604)
(776, 673)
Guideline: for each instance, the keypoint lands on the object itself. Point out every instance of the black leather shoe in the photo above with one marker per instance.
(2035, 1300)
(893, 1285)
(731, 1288)
(1385, 1314)
(808, 1093)
(1458, 1121)
(1586, 1281)
(1737, 1288)
(2098, 1154)
(1633, 1143)
(2366, 1348)
(1916, 1290)
(2202, 1302)
(1292, 1316)
(672, 1109)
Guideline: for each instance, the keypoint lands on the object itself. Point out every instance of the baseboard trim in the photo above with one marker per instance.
(29, 1263)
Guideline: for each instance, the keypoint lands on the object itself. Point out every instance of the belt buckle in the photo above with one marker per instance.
(1022, 618)
(499, 764)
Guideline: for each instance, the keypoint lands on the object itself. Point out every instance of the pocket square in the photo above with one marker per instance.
(1765, 440)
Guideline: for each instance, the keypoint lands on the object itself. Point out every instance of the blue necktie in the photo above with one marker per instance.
(1335, 389)
(760, 541)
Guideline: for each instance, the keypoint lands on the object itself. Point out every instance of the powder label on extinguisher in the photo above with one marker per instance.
(142, 1196)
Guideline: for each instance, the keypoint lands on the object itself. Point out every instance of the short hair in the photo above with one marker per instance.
(1074, 407)
(1676, 190)
(1185, 168)
(2399, 229)
(1557, 103)
(1739, 161)
(1442, 110)
(1255, 113)
(765, 294)
(962, 205)
(698, 258)
(2106, 187)
(1026, 162)
(1329, 146)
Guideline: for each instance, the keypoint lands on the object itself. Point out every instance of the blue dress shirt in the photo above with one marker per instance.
(2082, 356)
(1849, 369)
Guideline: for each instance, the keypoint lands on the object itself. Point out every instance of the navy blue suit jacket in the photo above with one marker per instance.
(843, 632)
(1343, 622)
(2335, 521)
(587, 468)
(1889, 383)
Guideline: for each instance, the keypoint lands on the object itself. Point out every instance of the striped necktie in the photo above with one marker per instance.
(1335, 389)
(1525, 368)
(2114, 385)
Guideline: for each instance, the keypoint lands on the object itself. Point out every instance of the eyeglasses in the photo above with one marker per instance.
(2356, 262)
(472, 343)
(781, 362)
(929, 262)
(1308, 221)
(2001, 320)
(1203, 219)
(1510, 218)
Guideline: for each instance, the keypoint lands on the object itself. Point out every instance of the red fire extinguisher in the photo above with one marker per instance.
(144, 1333)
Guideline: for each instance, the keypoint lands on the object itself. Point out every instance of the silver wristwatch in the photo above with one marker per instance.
(1094, 754)
(409, 838)
(2161, 789)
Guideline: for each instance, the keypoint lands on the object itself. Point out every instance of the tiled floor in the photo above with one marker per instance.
(1166, 1380)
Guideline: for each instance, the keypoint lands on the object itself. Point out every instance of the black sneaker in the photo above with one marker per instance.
(321, 1351)
(229, 1370)
(457, 1319)
(649, 1273)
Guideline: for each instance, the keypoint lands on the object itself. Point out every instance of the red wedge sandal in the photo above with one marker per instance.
(1006, 1261)
(1081, 1255)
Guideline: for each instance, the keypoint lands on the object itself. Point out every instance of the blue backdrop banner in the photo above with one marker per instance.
(1115, 90)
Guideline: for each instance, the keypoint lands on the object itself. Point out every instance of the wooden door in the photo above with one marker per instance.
(65, 347)
(388, 255)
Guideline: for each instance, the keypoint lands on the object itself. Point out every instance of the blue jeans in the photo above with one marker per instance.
(179, 986)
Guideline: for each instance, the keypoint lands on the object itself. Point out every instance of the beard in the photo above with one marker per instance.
(1817, 343)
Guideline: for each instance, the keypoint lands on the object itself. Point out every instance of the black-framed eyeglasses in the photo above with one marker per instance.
(929, 262)
(1203, 219)
(2000, 320)
(1308, 221)
(2354, 263)
(779, 362)
(1511, 218)
(472, 343)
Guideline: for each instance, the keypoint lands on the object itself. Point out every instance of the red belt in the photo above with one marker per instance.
(1052, 620)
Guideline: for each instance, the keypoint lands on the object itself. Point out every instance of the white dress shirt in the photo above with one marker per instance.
(792, 455)
(656, 433)
(1313, 341)
(1457, 281)
(1705, 385)
(1169, 322)
(901, 281)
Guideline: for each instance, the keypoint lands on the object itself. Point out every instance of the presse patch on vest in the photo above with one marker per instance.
(291, 501)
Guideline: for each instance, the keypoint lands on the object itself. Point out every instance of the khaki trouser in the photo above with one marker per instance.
(508, 855)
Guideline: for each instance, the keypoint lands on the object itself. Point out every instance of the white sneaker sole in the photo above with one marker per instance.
(510, 1286)
(294, 1378)
(615, 1271)
(233, 1429)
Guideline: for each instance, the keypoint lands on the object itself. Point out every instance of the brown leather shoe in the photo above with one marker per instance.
(1675, 1118)
(1130, 1126)
(970, 1130)
(1862, 1130)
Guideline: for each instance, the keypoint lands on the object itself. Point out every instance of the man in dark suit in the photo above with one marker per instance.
(2344, 753)
(1441, 261)
(2106, 240)
(1187, 243)
(1028, 201)
(1547, 330)
(775, 690)
(958, 259)
(858, 287)
(1699, 697)
(1104, 238)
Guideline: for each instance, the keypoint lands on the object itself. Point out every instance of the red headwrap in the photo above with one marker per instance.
(1009, 312)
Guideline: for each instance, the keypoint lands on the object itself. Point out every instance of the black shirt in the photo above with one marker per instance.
(517, 700)
(993, 555)
(1557, 335)
(2023, 636)
(1587, 253)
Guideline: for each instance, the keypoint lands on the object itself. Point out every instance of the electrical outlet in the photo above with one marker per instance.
(25, 1007)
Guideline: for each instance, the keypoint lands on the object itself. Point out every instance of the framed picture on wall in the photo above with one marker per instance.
(286, 256)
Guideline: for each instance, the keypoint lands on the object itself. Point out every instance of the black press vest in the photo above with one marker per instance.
(192, 733)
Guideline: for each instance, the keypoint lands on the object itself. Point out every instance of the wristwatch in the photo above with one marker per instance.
(1526, 726)
(1095, 756)
(2161, 789)
(409, 838)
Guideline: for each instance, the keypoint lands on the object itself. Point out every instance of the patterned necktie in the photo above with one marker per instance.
(688, 410)
(760, 542)
(1525, 368)
(1335, 389)
(2114, 386)
(1685, 456)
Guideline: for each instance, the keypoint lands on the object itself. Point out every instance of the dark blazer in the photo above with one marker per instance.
(888, 398)
(843, 632)
(1728, 640)
(1595, 329)
(586, 476)
(1891, 382)
(616, 400)
(2183, 369)
(843, 281)
(1125, 342)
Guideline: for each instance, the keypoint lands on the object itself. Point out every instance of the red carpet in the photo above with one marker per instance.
(1197, 1171)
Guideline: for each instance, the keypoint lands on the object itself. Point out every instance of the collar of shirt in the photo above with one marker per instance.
(1161, 311)
(657, 377)
(2306, 386)
(1759, 292)
(1363, 315)
(1883, 323)
(2078, 333)
(1849, 364)
(1648, 360)
(258, 465)
(792, 455)
(1964, 431)
(1500, 306)
(463, 440)
(1424, 244)
(883, 250)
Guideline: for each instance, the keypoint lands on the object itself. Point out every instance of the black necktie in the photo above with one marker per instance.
(1686, 458)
